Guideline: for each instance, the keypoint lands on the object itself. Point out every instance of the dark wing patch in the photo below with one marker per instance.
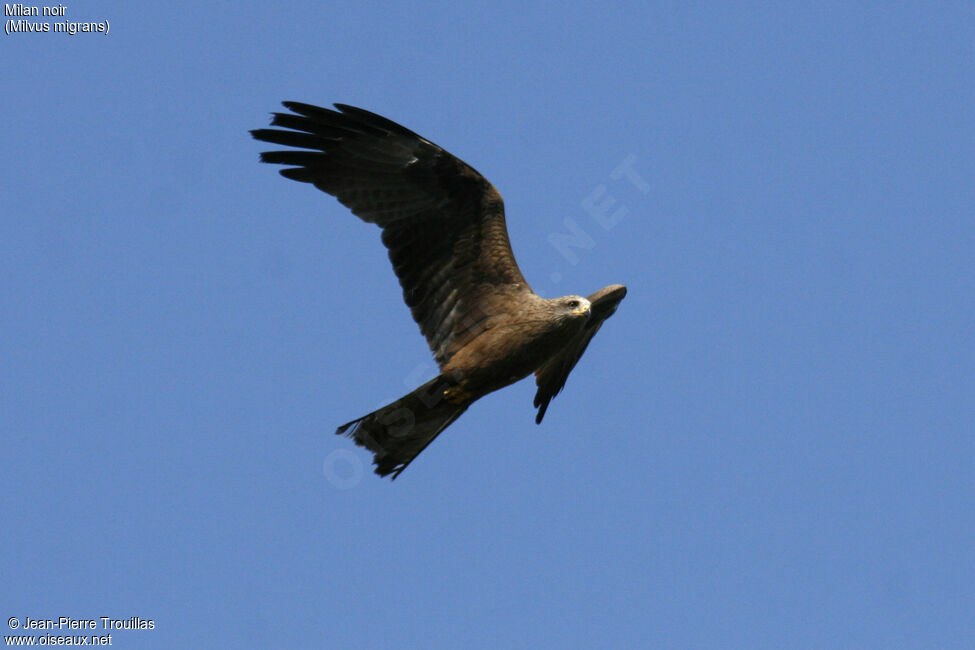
(551, 377)
(443, 223)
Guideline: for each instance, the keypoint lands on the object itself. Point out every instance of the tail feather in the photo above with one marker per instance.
(398, 432)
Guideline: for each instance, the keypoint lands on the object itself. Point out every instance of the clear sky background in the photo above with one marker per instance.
(770, 445)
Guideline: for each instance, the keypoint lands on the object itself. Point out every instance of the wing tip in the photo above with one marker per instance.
(541, 414)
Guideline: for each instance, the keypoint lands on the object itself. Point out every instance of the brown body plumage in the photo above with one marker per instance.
(444, 227)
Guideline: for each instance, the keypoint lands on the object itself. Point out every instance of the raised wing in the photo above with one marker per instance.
(551, 377)
(442, 222)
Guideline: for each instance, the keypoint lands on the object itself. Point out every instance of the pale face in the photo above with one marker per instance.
(575, 305)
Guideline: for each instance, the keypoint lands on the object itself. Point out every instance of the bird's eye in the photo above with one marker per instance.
(573, 303)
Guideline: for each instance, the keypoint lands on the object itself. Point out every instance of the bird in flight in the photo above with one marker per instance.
(443, 225)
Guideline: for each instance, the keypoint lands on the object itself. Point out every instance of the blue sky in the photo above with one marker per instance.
(770, 445)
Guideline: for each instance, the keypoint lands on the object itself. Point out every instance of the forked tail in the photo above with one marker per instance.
(398, 432)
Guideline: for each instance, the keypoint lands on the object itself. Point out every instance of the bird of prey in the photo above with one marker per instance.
(443, 224)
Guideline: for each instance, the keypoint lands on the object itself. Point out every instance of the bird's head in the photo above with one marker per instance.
(574, 306)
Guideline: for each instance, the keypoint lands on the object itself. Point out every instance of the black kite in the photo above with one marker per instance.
(443, 224)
